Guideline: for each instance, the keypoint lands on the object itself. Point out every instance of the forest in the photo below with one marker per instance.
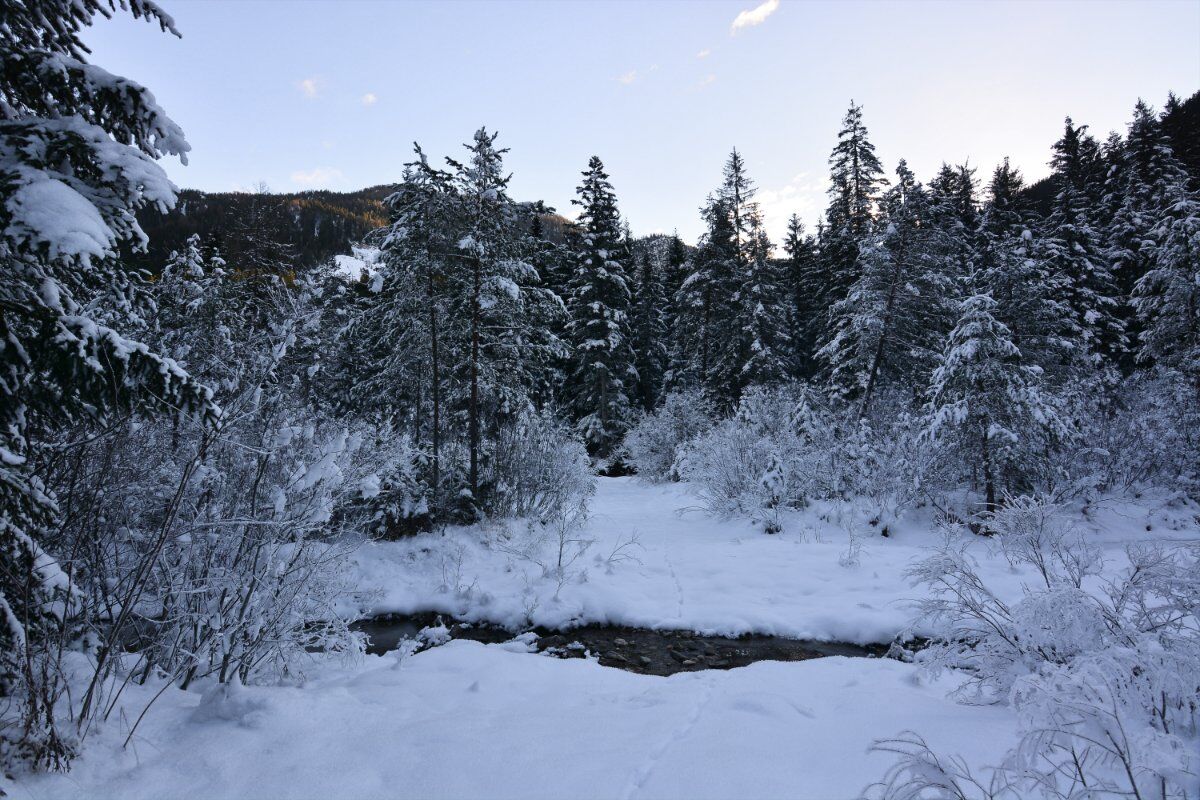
(226, 445)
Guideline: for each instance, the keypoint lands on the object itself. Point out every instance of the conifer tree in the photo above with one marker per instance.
(805, 283)
(603, 375)
(1151, 182)
(986, 403)
(766, 339)
(889, 325)
(1014, 266)
(77, 161)
(1074, 249)
(1167, 298)
(704, 306)
(649, 333)
(856, 179)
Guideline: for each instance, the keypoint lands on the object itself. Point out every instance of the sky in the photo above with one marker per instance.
(316, 94)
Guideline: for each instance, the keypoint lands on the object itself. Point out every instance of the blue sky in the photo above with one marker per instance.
(320, 94)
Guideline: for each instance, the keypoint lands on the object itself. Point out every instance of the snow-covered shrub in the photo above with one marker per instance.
(652, 444)
(1146, 433)
(1102, 677)
(754, 463)
(393, 498)
(538, 468)
(786, 446)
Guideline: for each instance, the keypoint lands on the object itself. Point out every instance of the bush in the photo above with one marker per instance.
(538, 468)
(1103, 680)
(652, 444)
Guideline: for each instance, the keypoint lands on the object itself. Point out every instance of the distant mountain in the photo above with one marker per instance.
(316, 225)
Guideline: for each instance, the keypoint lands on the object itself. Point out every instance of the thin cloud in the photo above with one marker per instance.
(369, 99)
(628, 77)
(754, 16)
(310, 87)
(320, 176)
(705, 53)
(707, 80)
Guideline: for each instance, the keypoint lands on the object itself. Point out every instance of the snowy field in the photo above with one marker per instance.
(468, 720)
(713, 576)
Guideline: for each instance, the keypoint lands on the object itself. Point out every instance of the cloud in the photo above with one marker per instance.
(309, 86)
(706, 80)
(369, 99)
(705, 53)
(320, 176)
(755, 16)
(803, 195)
(628, 77)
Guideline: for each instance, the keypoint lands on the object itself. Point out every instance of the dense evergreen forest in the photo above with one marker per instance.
(201, 418)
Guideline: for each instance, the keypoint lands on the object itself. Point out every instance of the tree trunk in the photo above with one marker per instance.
(473, 411)
(988, 481)
(436, 433)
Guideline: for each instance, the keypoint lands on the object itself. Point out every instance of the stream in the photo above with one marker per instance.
(643, 650)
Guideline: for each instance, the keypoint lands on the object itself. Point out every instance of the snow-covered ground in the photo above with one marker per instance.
(712, 575)
(467, 720)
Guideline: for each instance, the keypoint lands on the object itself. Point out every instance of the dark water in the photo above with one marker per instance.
(651, 652)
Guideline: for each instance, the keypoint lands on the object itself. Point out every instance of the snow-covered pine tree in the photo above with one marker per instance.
(77, 159)
(805, 284)
(1142, 179)
(729, 306)
(856, 180)
(1167, 298)
(1074, 250)
(404, 337)
(703, 302)
(986, 403)
(603, 375)
(1013, 265)
(504, 354)
(649, 332)
(889, 327)
(765, 316)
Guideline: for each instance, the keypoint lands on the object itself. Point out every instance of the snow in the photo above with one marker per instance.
(362, 260)
(710, 575)
(464, 719)
(472, 720)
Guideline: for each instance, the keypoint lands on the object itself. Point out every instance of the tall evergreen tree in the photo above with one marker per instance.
(603, 375)
(856, 179)
(77, 161)
(649, 332)
(889, 325)
(986, 402)
(1151, 185)
(806, 284)
(1014, 266)
(1074, 248)
(764, 309)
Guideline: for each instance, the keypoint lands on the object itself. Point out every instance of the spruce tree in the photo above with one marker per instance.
(805, 285)
(1015, 267)
(603, 375)
(704, 303)
(1150, 184)
(649, 333)
(764, 308)
(888, 328)
(77, 161)
(1074, 249)
(986, 403)
(856, 179)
